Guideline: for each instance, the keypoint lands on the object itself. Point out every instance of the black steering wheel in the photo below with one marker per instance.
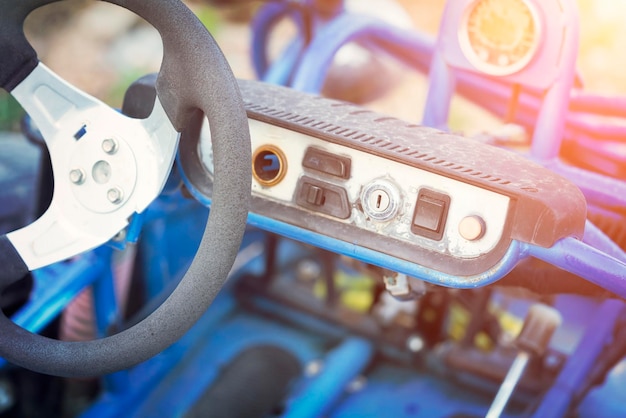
(78, 130)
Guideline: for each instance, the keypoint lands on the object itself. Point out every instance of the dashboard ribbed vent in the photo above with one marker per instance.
(371, 140)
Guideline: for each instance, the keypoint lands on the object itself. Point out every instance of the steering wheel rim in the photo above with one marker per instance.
(194, 75)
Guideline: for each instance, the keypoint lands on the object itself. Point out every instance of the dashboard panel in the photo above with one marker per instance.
(442, 201)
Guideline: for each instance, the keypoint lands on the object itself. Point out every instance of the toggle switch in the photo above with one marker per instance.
(314, 195)
(323, 197)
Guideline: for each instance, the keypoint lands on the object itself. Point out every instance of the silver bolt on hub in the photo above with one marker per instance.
(77, 176)
(109, 146)
(115, 196)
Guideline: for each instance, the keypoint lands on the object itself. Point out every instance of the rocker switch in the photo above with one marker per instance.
(431, 213)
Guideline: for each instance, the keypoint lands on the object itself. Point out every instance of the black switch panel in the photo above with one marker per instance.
(431, 213)
(340, 148)
(327, 163)
(323, 197)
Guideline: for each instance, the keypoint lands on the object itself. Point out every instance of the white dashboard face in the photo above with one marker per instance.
(402, 196)
(375, 194)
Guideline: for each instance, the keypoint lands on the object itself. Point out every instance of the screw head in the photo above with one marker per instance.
(552, 362)
(120, 236)
(307, 271)
(415, 343)
(77, 176)
(357, 384)
(115, 195)
(313, 368)
(109, 146)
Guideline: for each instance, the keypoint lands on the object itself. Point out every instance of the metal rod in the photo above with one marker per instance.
(508, 385)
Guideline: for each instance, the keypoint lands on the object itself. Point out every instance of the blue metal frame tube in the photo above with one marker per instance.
(340, 367)
(409, 47)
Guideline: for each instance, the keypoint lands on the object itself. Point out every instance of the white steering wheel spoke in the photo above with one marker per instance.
(54, 237)
(51, 103)
(106, 167)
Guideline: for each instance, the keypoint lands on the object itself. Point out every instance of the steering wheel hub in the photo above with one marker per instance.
(105, 180)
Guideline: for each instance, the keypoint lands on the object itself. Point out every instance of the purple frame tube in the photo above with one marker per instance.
(598, 334)
(585, 261)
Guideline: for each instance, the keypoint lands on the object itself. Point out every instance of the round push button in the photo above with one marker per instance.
(472, 227)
